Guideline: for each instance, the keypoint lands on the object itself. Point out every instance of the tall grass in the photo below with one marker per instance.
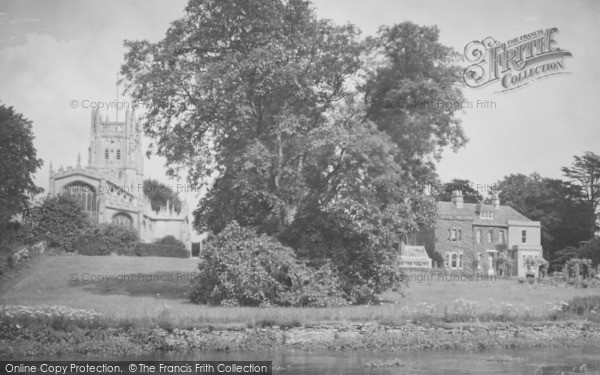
(163, 302)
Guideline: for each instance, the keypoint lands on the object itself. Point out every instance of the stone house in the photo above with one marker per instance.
(474, 236)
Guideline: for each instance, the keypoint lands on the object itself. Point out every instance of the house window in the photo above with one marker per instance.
(479, 260)
(453, 235)
(447, 260)
(460, 259)
(106, 154)
(502, 239)
(459, 235)
(449, 234)
(454, 258)
(523, 236)
(478, 236)
(490, 236)
(118, 154)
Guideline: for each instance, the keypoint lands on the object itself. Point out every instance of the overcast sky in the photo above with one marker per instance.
(55, 52)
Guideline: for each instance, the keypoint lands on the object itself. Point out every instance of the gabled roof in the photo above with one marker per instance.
(469, 211)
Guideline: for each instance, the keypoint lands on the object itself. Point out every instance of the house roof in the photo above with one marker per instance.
(469, 211)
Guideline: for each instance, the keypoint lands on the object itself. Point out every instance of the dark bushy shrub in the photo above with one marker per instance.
(314, 288)
(160, 250)
(170, 240)
(239, 267)
(9, 236)
(59, 221)
(91, 245)
(119, 239)
(105, 239)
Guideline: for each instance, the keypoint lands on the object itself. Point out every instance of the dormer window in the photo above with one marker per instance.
(486, 215)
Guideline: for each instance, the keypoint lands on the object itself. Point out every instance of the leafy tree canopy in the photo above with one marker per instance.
(159, 194)
(585, 171)
(414, 91)
(58, 220)
(18, 163)
(555, 203)
(268, 103)
(470, 195)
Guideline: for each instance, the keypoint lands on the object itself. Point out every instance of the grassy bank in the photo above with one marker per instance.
(127, 305)
(151, 291)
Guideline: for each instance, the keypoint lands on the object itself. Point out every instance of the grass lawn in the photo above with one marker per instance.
(146, 291)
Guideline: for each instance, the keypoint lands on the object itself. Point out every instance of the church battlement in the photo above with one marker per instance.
(116, 147)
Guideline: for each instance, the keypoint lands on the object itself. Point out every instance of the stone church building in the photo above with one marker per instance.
(111, 187)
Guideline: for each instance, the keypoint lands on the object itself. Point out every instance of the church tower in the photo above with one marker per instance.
(116, 150)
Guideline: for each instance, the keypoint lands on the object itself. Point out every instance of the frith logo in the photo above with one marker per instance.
(515, 63)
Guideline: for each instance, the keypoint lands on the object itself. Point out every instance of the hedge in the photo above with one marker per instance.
(105, 239)
(160, 250)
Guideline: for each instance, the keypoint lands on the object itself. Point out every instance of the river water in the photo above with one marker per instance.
(522, 361)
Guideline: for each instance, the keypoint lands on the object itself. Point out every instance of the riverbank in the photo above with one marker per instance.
(30, 342)
(122, 306)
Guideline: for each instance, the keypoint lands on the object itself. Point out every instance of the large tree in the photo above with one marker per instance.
(555, 203)
(260, 97)
(414, 90)
(18, 163)
(585, 171)
(470, 195)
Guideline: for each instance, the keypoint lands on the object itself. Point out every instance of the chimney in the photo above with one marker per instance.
(495, 200)
(457, 198)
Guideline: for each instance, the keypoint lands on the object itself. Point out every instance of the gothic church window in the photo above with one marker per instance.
(86, 196)
(122, 219)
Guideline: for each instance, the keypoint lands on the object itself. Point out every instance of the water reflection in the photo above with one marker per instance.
(527, 362)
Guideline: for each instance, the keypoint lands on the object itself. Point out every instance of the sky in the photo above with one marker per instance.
(58, 56)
